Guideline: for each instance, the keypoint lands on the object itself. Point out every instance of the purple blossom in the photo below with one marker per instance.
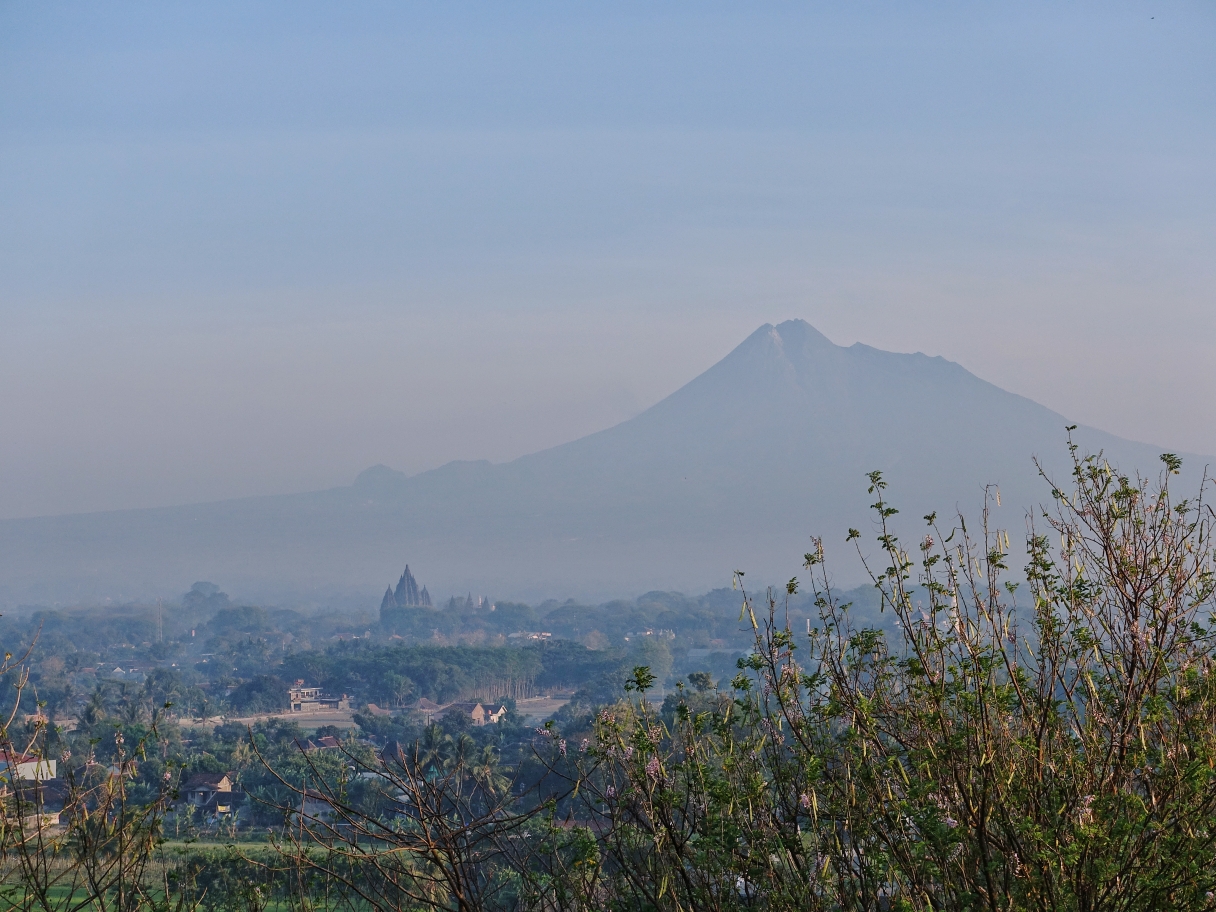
(805, 801)
(950, 822)
(583, 745)
(561, 747)
(610, 792)
(629, 753)
(652, 768)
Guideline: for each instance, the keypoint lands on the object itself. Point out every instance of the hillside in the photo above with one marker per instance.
(733, 471)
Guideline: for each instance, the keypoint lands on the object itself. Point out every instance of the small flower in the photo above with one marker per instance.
(629, 753)
(561, 747)
(583, 745)
(65, 756)
(655, 734)
(652, 768)
(950, 822)
(1085, 814)
(168, 775)
(805, 801)
(610, 792)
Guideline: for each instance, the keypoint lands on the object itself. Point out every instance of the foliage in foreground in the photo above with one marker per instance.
(1059, 755)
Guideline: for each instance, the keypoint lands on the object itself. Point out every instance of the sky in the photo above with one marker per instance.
(254, 248)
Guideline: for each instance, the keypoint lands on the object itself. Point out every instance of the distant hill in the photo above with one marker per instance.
(733, 471)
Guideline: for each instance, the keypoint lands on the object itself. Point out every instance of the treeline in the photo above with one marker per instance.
(698, 621)
(395, 675)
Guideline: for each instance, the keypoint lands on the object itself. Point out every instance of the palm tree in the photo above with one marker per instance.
(487, 772)
(432, 749)
(132, 706)
(461, 753)
(95, 710)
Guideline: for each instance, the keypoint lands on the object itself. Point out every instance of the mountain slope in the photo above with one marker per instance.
(733, 471)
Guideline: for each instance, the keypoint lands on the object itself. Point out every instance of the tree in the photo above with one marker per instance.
(204, 598)
(433, 827)
(262, 694)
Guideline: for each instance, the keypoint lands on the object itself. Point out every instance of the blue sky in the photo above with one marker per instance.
(250, 248)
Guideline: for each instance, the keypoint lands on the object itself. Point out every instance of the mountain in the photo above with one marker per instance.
(733, 471)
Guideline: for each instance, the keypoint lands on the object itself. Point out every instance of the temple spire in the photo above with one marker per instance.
(407, 594)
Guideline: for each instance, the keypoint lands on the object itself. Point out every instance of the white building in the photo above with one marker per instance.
(26, 768)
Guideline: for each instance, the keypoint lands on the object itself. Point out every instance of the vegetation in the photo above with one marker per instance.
(218, 659)
(995, 741)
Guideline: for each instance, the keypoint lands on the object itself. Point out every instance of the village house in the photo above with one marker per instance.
(215, 793)
(427, 708)
(329, 742)
(38, 801)
(477, 713)
(303, 699)
(26, 768)
(313, 807)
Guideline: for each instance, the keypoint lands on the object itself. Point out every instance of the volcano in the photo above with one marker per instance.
(734, 471)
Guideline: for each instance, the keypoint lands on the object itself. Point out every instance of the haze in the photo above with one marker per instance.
(257, 249)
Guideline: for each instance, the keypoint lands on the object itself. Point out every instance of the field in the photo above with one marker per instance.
(533, 709)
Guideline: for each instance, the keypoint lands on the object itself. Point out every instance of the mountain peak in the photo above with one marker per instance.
(800, 332)
(793, 340)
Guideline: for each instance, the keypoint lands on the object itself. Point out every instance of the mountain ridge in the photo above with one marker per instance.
(734, 470)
